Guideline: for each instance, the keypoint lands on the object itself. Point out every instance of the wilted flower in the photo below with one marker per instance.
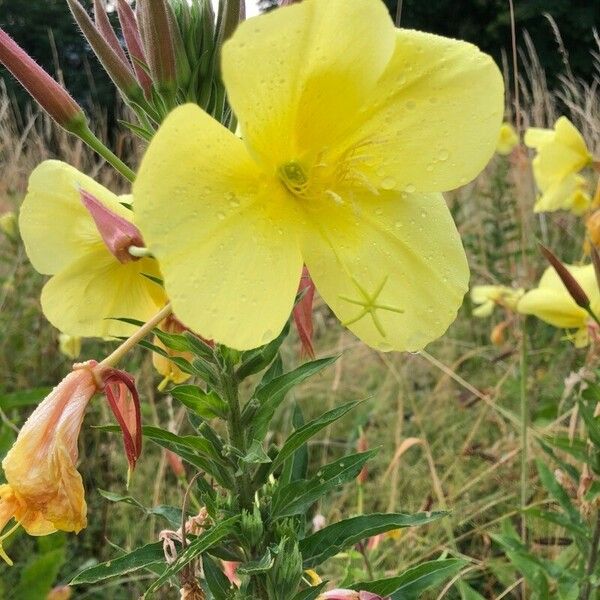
(489, 296)
(508, 139)
(561, 154)
(79, 232)
(44, 492)
(552, 303)
(350, 129)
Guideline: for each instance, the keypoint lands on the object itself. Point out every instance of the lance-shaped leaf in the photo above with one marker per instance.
(412, 583)
(294, 498)
(140, 558)
(310, 593)
(253, 361)
(272, 394)
(208, 405)
(327, 542)
(300, 436)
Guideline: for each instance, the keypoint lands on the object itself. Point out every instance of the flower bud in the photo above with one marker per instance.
(286, 573)
(118, 70)
(106, 29)
(135, 47)
(575, 290)
(497, 336)
(156, 29)
(61, 592)
(118, 233)
(8, 224)
(252, 526)
(175, 463)
(47, 92)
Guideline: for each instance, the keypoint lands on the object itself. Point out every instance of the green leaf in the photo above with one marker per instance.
(174, 341)
(217, 581)
(39, 575)
(24, 398)
(170, 513)
(254, 361)
(198, 347)
(296, 466)
(208, 405)
(272, 394)
(310, 593)
(412, 583)
(140, 558)
(262, 565)
(558, 493)
(327, 542)
(592, 422)
(256, 454)
(294, 498)
(300, 436)
(201, 544)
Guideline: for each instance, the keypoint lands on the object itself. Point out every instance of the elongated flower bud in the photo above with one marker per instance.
(573, 287)
(596, 262)
(118, 70)
(118, 233)
(47, 92)
(106, 29)
(155, 26)
(303, 313)
(135, 47)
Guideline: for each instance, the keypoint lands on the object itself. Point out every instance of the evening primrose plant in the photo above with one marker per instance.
(305, 148)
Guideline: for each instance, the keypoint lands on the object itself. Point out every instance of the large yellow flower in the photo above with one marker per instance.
(350, 129)
(90, 285)
(561, 154)
(552, 303)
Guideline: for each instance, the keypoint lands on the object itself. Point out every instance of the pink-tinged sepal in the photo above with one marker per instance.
(108, 33)
(118, 233)
(124, 400)
(303, 313)
(47, 92)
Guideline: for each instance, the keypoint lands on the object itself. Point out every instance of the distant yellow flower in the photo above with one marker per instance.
(69, 345)
(44, 492)
(8, 225)
(90, 285)
(561, 154)
(552, 303)
(350, 129)
(489, 296)
(508, 139)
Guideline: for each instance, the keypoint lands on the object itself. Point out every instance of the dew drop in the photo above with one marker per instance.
(388, 183)
(410, 188)
(221, 216)
(443, 154)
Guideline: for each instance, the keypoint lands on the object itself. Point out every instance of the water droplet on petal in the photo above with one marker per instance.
(388, 183)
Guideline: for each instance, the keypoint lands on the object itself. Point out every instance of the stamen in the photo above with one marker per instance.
(139, 251)
(4, 536)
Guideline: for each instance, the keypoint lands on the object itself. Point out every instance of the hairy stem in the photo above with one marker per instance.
(586, 590)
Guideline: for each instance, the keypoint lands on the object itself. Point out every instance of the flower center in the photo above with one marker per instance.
(294, 177)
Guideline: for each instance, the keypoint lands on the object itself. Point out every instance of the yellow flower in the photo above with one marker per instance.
(488, 296)
(90, 285)
(552, 303)
(561, 154)
(69, 345)
(44, 492)
(508, 139)
(8, 224)
(350, 129)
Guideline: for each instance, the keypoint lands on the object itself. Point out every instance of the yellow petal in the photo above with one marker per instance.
(224, 238)
(485, 310)
(433, 122)
(507, 140)
(298, 77)
(56, 228)
(552, 303)
(85, 298)
(392, 266)
(567, 194)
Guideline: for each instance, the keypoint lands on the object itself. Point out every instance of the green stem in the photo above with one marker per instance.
(235, 430)
(592, 560)
(84, 133)
(524, 427)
